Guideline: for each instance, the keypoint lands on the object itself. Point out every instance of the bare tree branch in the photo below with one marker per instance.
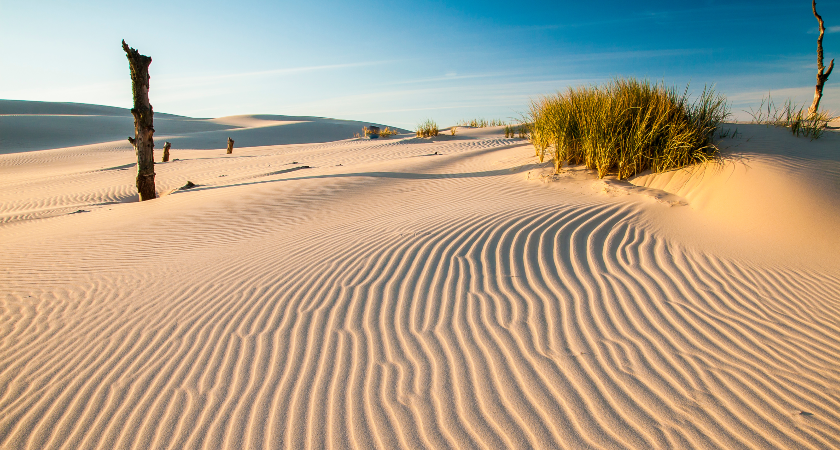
(822, 74)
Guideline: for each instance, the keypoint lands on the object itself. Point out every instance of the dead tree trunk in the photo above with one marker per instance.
(144, 144)
(166, 146)
(822, 74)
(230, 146)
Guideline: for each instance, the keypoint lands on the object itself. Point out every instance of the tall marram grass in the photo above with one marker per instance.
(626, 126)
(792, 116)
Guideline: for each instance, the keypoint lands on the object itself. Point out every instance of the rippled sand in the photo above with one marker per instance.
(388, 297)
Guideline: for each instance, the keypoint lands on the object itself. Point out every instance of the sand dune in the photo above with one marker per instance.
(389, 297)
(773, 189)
(28, 126)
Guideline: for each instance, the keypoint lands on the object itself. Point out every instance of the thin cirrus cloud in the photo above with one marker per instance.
(515, 75)
(798, 96)
(453, 77)
(717, 13)
(500, 99)
(828, 30)
(634, 54)
(231, 77)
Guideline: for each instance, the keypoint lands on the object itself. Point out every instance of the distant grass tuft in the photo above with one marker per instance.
(512, 131)
(427, 129)
(525, 130)
(793, 117)
(626, 126)
(482, 123)
(387, 132)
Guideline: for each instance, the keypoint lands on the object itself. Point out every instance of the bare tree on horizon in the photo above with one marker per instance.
(822, 74)
(143, 140)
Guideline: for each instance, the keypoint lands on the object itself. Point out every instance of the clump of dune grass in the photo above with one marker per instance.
(482, 123)
(386, 132)
(626, 126)
(474, 123)
(427, 129)
(524, 130)
(793, 117)
(452, 130)
(512, 131)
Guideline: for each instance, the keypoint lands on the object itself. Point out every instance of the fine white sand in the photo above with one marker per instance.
(390, 297)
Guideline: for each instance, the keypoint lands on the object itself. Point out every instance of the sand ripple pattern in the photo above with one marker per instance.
(474, 309)
(544, 327)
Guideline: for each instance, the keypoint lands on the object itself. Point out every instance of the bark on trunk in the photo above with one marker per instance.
(166, 146)
(144, 130)
(822, 74)
(230, 146)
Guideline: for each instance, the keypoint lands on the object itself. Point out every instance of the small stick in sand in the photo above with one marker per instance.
(230, 146)
(166, 146)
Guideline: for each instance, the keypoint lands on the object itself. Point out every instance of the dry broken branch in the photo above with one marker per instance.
(822, 74)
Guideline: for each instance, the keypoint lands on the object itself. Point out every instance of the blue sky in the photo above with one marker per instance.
(400, 63)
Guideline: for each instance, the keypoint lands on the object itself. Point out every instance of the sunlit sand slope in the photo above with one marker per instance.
(375, 294)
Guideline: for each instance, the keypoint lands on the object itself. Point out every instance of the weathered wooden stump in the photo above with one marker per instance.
(230, 146)
(143, 141)
(166, 146)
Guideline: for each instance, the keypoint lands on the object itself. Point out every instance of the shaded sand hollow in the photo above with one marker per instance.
(409, 293)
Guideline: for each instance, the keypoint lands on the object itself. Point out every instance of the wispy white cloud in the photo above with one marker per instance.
(213, 79)
(446, 103)
(633, 54)
(453, 77)
(744, 102)
(713, 12)
(828, 30)
(776, 94)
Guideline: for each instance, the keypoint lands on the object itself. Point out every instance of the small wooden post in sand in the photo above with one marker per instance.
(166, 146)
(144, 144)
(230, 146)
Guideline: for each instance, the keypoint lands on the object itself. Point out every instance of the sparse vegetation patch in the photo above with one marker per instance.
(482, 123)
(794, 117)
(520, 130)
(626, 126)
(427, 129)
(386, 132)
